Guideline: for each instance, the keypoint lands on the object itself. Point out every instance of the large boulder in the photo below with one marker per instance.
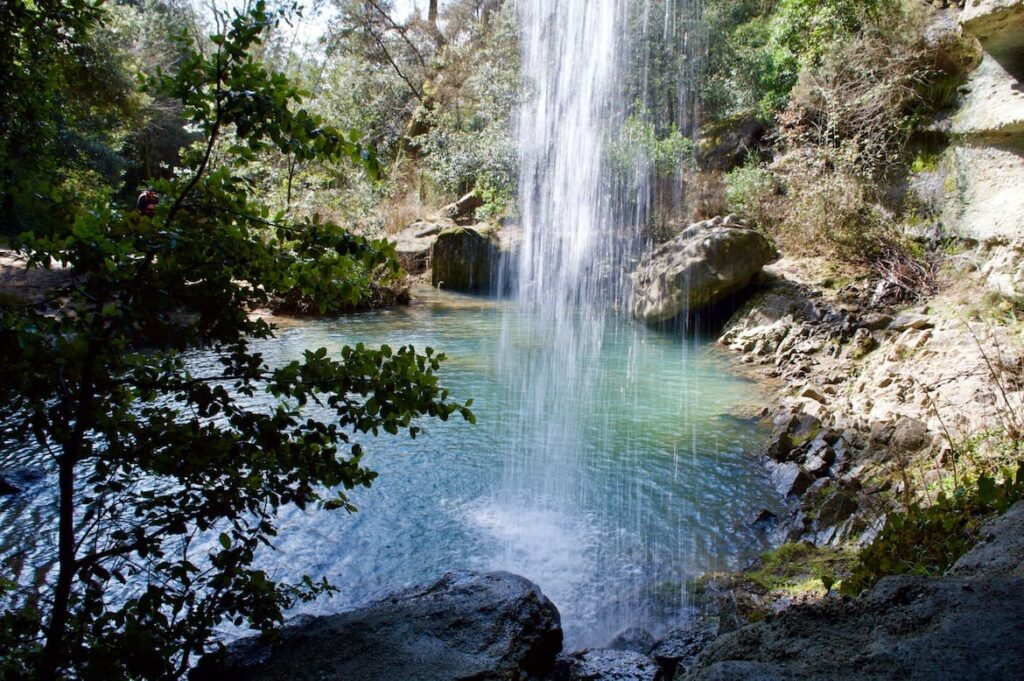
(466, 626)
(463, 259)
(413, 244)
(698, 269)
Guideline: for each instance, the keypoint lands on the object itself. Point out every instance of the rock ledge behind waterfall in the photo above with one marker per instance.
(698, 269)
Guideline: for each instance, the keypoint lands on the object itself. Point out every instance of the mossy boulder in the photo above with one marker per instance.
(728, 143)
(464, 259)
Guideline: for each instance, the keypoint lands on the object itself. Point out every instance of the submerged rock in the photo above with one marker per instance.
(634, 639)
(463, 259)
(698, 269)
(20, 479)
(606, 665)
(466, 626)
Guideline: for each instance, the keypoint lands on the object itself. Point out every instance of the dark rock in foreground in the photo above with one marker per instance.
(634, 639)
(969, 625)
(999, 551)
(907, 628)
(466, 626)
(678, 650)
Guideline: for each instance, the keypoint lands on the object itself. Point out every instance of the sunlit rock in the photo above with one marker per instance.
(413, 244)
(698, 269)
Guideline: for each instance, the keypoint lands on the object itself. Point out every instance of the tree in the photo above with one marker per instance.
(68, 103)
(151, 451)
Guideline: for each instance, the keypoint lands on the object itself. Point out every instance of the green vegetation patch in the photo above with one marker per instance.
(801, 568)
(791, 570)
(928, 540)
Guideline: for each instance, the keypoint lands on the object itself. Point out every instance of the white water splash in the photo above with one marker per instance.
(587, 65)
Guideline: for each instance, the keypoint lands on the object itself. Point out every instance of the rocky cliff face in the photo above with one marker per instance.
(967, 625)
(986, 163)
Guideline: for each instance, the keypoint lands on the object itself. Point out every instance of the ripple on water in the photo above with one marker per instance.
(647, 487)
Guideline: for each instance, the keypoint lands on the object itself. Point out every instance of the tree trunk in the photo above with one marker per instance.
(66, 573)
(432, 13)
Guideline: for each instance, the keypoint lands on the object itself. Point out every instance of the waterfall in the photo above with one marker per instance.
(587, 67)
(569, 59)
(600, 77)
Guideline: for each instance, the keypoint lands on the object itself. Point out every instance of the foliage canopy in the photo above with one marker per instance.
(152, 452)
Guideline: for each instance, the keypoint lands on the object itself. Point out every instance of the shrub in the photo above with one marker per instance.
(745, 71)
(928, 540)
(872, 92)
(844, 136)
(469, 142)
(753, 192)
(758, 47)
(809, 29)
(831, 204)
(639, 146)
(705, 196)
(152, 451)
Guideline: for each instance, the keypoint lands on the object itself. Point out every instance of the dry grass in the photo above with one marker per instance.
(401, 211)
(705, 196)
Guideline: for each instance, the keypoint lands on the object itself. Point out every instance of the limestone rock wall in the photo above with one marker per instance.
(985, 185)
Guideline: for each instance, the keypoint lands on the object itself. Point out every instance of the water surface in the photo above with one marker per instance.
(609, 492)
(635, 481)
